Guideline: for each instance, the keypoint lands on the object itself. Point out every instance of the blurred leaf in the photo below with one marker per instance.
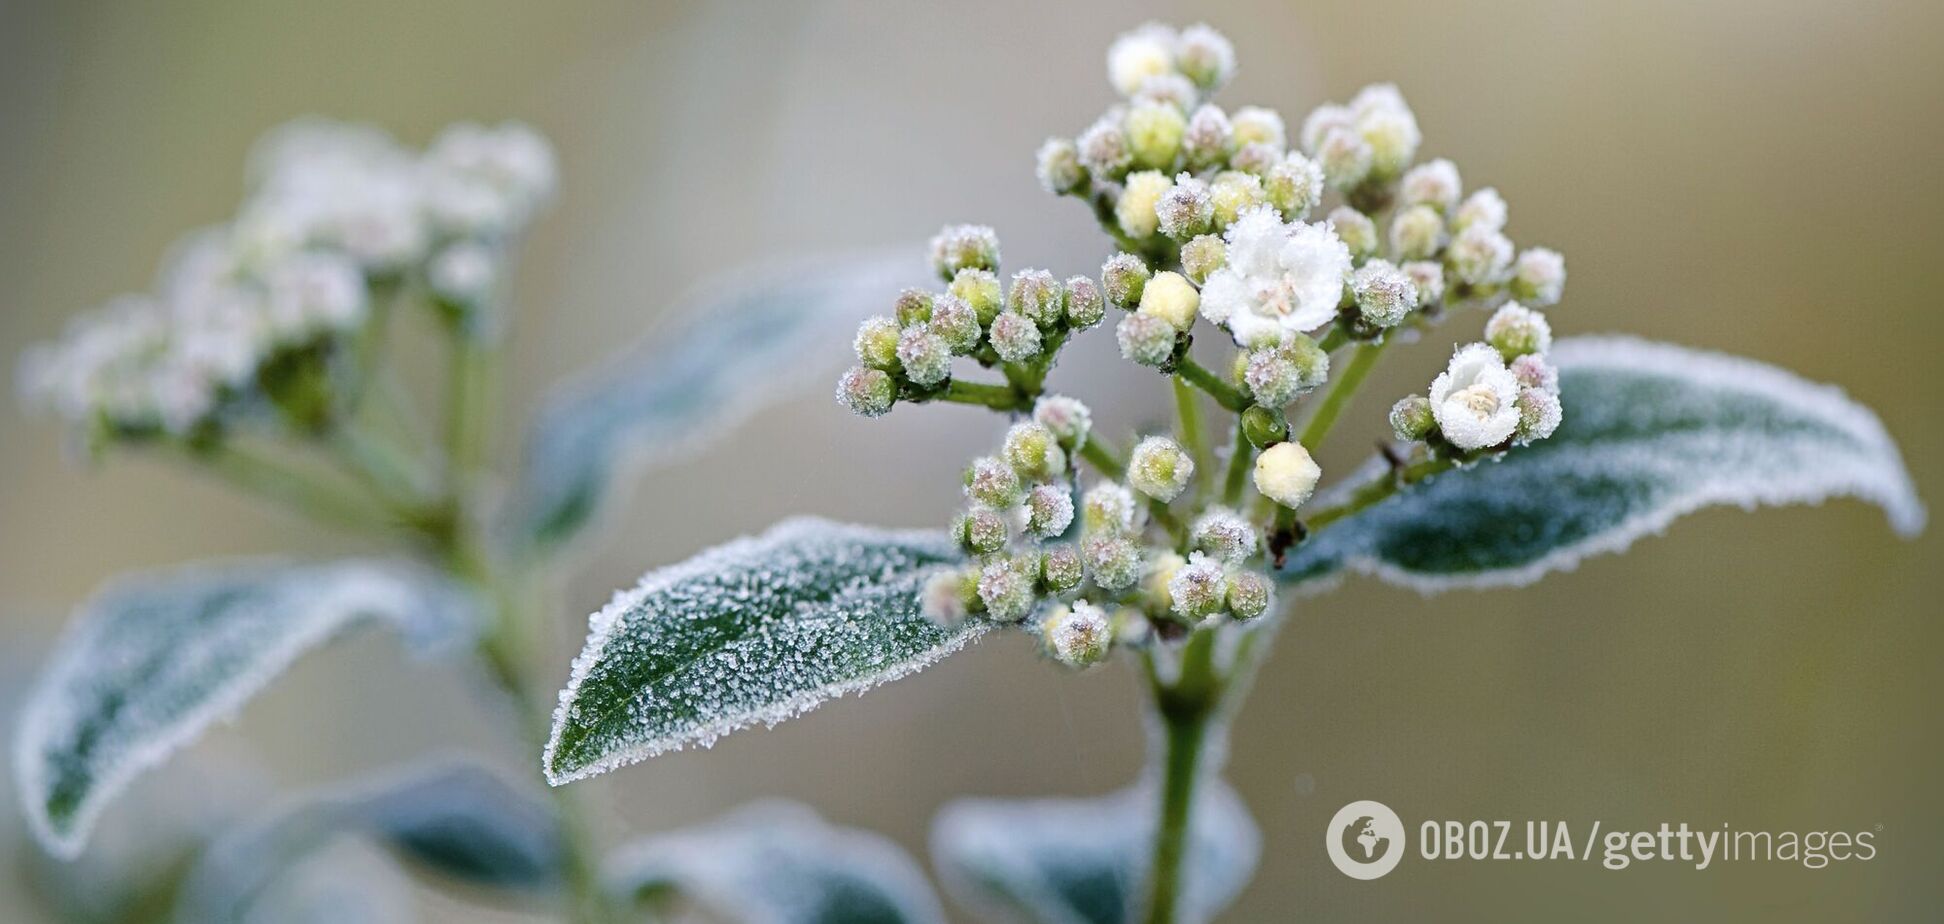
(337, 880)
(454, 816)
(738, 345)
(778, 863)
(1084, 861)
(1651, 432)
(154, 659)
(757, 630)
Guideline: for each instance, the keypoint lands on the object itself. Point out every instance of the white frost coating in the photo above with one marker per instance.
(745, 341)
(154, 659)
(1691, 470)
(773, 862)
(792, 691)
(999, 856)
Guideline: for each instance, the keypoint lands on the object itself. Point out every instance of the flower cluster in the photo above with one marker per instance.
(266, 309)
(1343, 240)
(1020, 326)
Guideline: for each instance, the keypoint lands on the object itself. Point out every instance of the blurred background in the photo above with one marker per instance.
(1757, 177)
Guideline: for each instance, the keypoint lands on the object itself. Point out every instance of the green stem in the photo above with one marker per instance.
(1193, 436)
(469, 411)
(274, 480)
(1102, 458)
(383, 467)
(997, 397)
(1201, 377)
(1354, 372)
(1378, 490)
(1337, 337)
(1186, 708)
(1241, 454)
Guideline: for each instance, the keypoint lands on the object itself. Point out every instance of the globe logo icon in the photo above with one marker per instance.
(1365, 839)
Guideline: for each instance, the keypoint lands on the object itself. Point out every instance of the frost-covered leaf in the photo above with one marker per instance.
(777, 863)
(739, 344)
(154, 659)
(1652, 432)
(756, 630)
(339, 879)
(452, 815)
(1085, 861)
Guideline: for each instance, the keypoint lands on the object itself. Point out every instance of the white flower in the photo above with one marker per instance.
(1279, 277)
(464, 273)
(1135, 56)
(1388, 126)
(1321, 120)
(487, 180)
(1484, 207)
(1435, 184)
(313, 292)
(1474, 398)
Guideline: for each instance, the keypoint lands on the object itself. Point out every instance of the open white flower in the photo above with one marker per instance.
(1474, 398)
(1279, 278)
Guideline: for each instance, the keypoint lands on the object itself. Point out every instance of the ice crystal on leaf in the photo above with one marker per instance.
(1651, 432)
(754, 631)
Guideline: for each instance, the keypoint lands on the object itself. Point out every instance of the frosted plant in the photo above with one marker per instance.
(1261, 266)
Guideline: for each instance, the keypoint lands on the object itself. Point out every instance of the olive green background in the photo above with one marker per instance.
(1759, 177)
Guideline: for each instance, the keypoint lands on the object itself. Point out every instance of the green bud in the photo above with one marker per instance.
(1160, 468)
(992, 482)
(1014, 338)
(1078, 636)
(1049, 511)
(1233, 192)
(982, 530)
(877, 343)
(1113, 561)
(1516, 330)
(1061, 569)
(978, 288)
(867, 392)
(1124, 276)
(1264, 426)
(1312, 363)
(1154, 131)
(1355, 229)
(1038, 296)
(1146, 339)
(927, 360)
(1249, 594)
(1059, 168)
(955, 321)
(1006, 586)
(1271, 378)
(1202, 256)
(1085, 307)
(1034, 452)
(958, 247)
(914, 306)
(1411, 418)
(1417, 232)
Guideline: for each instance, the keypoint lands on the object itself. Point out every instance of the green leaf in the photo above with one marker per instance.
(453, 816)
(777, 863)
(340, 878)
(738, 345)
(1651, 432)
(1085, 861)
(757, 630)
(154, 659)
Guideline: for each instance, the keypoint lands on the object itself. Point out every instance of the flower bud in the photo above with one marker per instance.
(1479, 256)
(1294, 185)
(1270, 377)
(1539, 277)
(1435, 184)
(1038, 296)
(956, 322)
(1321, 121)
(1208, 139)
(992, 482)
(1202, 256)
(982, 530)
(914, 306)
(1131, 628)
(1113, 561)
(1312, 363)
(1186, 209)
(1059, 168)
(1205, 56)
(1014, 338)
(1417, 232)
(926, 358)
(1066, 418)
(1516, 330)
(1384, 294)
(1233, 193)
(1154, 131)
(1256, 125)
(1112, 509)
(1172, 90)
(1264, 426)
(1078, 636)
(1172, 298)
(1198, 589)
(947, 596)
(1344, 157)
(1134, 210)
(877, 343)
(1049, 511)
(1355, 229)
(1224, 535)
(1484, 208)
(1249, 593)
(1061, 569)
(1160, 571)
(1533, 371)
(979, 289)
(1159, 468)
(1034, 452)
(1286, 474)
(958, 247)
(867, 392)
(1146, 339)
(1103, 147)
(1139, 54)
(1124, 276)
(1429, 278)
(1006, 588)
(1084, 305)
(1539, 415)
(1256, 158)
(1411, 418)
(1393, 137)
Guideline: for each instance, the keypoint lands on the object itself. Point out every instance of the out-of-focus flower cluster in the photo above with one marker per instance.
(266, 310)
(1293, 246)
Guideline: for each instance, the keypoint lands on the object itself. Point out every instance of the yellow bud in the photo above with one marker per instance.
(1170, 297)
(1286, 474)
